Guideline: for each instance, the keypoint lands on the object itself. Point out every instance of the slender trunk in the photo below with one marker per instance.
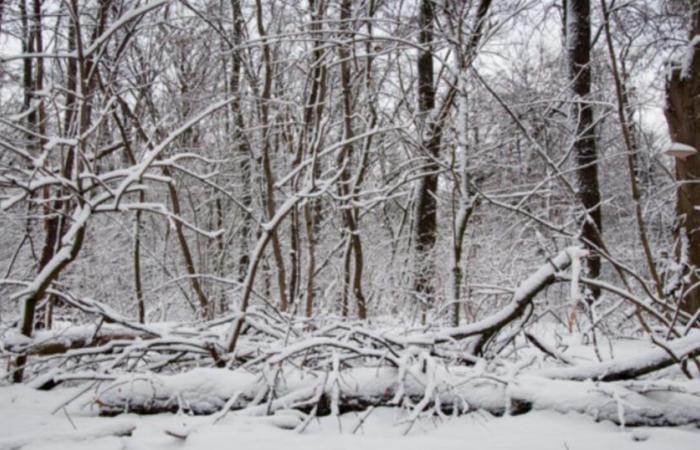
(466, 203)
(347, 253)
(310, 222)
(623, 109)
(266, 163)
(311, 140)
(255, 260)
(465, 56)
(207, 309)
(136, 250)
(294, 256)
(239, 140)
(138, 287)
(350, 214)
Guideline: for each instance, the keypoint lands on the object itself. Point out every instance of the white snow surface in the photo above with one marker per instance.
(687, 65)
(576, 253)
(25, 415)
(678, 148)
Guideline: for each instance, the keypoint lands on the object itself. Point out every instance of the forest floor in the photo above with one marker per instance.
(28, 423)
(68, 416)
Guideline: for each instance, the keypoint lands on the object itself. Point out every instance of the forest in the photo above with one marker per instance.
(280, 223)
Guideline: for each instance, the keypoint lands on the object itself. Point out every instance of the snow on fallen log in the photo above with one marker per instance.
(69, 337)
(116, 429)
(459, 389)
(667, 354)
(199, 391)
(616, 402)
(207, 390)
(56, 341)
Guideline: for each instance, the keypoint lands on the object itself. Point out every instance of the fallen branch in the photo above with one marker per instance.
(522, 297)
(633, 367)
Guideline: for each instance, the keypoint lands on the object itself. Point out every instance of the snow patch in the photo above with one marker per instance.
(576, 253)
(687, 65)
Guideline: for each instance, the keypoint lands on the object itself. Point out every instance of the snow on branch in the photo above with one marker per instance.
(523, 296)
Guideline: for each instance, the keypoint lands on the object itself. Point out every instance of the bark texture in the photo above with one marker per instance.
(578, 40)
(683, 117)
(426, 202)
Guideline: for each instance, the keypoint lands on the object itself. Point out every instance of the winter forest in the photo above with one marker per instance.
(349, 224)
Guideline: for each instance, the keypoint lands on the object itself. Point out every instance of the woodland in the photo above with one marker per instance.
(292, 210)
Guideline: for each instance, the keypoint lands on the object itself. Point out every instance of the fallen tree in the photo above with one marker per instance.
(284, 362)
(435, 391)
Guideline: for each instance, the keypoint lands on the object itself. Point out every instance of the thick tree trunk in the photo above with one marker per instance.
(683, 117)
(425, 196)
(578, 37)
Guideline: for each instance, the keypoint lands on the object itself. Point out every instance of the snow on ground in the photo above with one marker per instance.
(25, 418)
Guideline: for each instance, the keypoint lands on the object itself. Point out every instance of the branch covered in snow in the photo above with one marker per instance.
(668, 354)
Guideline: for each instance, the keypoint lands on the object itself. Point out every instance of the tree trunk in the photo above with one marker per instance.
(269, 196)
(350, 214)
(683, 117)
(425, 197)
(241, 144)
(578, 38)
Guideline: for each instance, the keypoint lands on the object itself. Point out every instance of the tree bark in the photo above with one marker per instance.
(683, 118)
(350, 214)
(578, 37)
(242, 147)
(467, 202)
(269, 198)
(425, 197)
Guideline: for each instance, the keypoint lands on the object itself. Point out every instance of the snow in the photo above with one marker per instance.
(576, 253)
(418, 381)
(26, 416)
(687, 65)
(196, 389)
(680, 150)
(521, 296)
(681, 348)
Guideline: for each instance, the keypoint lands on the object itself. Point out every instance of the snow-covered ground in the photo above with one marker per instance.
(27, 422)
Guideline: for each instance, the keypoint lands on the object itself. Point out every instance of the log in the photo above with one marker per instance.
(57, 341)
(461, 390)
